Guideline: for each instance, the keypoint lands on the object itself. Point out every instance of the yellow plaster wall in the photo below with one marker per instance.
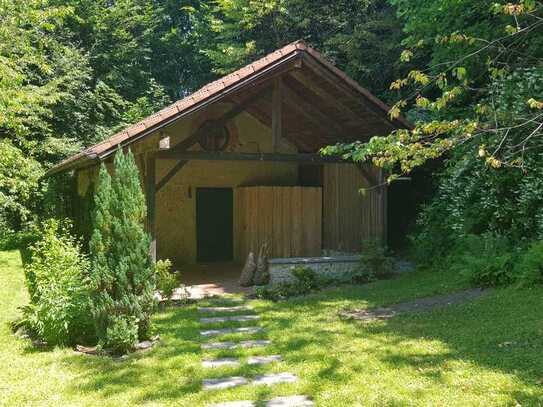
(176, 202)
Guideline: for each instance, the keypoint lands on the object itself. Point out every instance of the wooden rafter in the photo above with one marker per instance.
(347, 90)
(312, 113)
(323, 95)
(234, 156)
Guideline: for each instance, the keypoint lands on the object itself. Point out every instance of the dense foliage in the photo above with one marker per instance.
(57, 283)
(122, 275)
(467, 73)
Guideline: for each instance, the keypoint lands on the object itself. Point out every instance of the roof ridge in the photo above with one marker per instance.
(298, 44)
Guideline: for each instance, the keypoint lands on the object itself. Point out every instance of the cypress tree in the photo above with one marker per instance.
(123, 272)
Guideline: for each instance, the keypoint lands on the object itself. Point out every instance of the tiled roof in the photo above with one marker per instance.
(212, 89)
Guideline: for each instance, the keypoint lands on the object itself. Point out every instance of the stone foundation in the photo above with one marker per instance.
(334, 266)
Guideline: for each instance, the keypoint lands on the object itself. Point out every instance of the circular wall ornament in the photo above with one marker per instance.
(214, 137)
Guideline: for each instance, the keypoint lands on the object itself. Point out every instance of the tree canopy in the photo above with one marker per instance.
(467, 73)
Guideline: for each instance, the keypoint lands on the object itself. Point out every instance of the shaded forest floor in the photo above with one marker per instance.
(484, 352)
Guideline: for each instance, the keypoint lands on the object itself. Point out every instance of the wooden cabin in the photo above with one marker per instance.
(237, 164)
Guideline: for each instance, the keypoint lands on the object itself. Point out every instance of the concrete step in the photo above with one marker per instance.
(225, 309)
(233, 362)
(225, 362)
(264, 360)
(271, 379)
(234, 381)
(225, 331)
(289, 401)
(236, 318)
(235, 345)
(224, 383)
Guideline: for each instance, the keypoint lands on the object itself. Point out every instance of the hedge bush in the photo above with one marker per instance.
(56, 279)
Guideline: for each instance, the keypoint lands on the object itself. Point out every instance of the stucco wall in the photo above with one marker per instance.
(176, 202)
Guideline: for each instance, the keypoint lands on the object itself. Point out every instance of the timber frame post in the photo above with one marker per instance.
(150, 195)
(277, 113)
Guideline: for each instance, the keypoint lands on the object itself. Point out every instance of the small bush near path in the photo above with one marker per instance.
(167, 281)
(56, 279)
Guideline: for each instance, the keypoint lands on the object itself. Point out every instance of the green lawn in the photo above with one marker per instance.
(486, 353)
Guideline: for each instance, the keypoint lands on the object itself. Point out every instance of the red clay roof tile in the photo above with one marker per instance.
(200, 95)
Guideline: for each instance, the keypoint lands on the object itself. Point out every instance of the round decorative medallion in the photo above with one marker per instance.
(214, 136)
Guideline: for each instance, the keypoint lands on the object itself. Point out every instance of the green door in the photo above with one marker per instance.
(214, 224)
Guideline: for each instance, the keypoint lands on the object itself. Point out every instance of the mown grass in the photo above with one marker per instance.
(485, 353)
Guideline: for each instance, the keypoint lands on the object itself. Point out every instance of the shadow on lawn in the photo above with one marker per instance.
(499, 332)
(148, 371)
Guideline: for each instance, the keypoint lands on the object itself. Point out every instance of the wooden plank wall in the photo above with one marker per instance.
(350, 217)
(289, 219)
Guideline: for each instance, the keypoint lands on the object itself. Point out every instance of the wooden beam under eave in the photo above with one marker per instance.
(323, 72)
(312, 113)
(316, 159)
(150, 195)
(277, 113)
(323, 95)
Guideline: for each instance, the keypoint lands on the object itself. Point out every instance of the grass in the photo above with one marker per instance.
(485, 353)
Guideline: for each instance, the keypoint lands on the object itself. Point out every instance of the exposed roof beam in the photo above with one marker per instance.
(232, 156)
(312, 113)
(323, 95)
(321, 70)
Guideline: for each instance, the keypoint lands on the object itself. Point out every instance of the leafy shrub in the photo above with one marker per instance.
(166, 280)
(56, 281)
(121, 334)
(306, 281)
(529, 267)
(306, 278)
(374, 263)
(486, 259)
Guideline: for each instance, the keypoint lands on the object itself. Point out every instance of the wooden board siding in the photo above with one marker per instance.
(289, 219)
(350, 217)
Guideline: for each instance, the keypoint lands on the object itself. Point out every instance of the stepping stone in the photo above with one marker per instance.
(254, 344)
(224, 309)
(220, 363)
(237, 318)
(234, 345)
(263, 360)
(271, 379)
(292, 401)
(219, 345)
(224, 383)
(224, 331)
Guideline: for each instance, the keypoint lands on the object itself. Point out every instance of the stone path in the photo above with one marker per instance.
(224, 383)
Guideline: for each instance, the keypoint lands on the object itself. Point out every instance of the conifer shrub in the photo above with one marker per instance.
(122, 274)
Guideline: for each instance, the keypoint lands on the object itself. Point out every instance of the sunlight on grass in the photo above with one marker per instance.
(488, 352)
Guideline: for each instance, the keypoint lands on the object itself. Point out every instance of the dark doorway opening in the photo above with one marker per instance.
(214, 224)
